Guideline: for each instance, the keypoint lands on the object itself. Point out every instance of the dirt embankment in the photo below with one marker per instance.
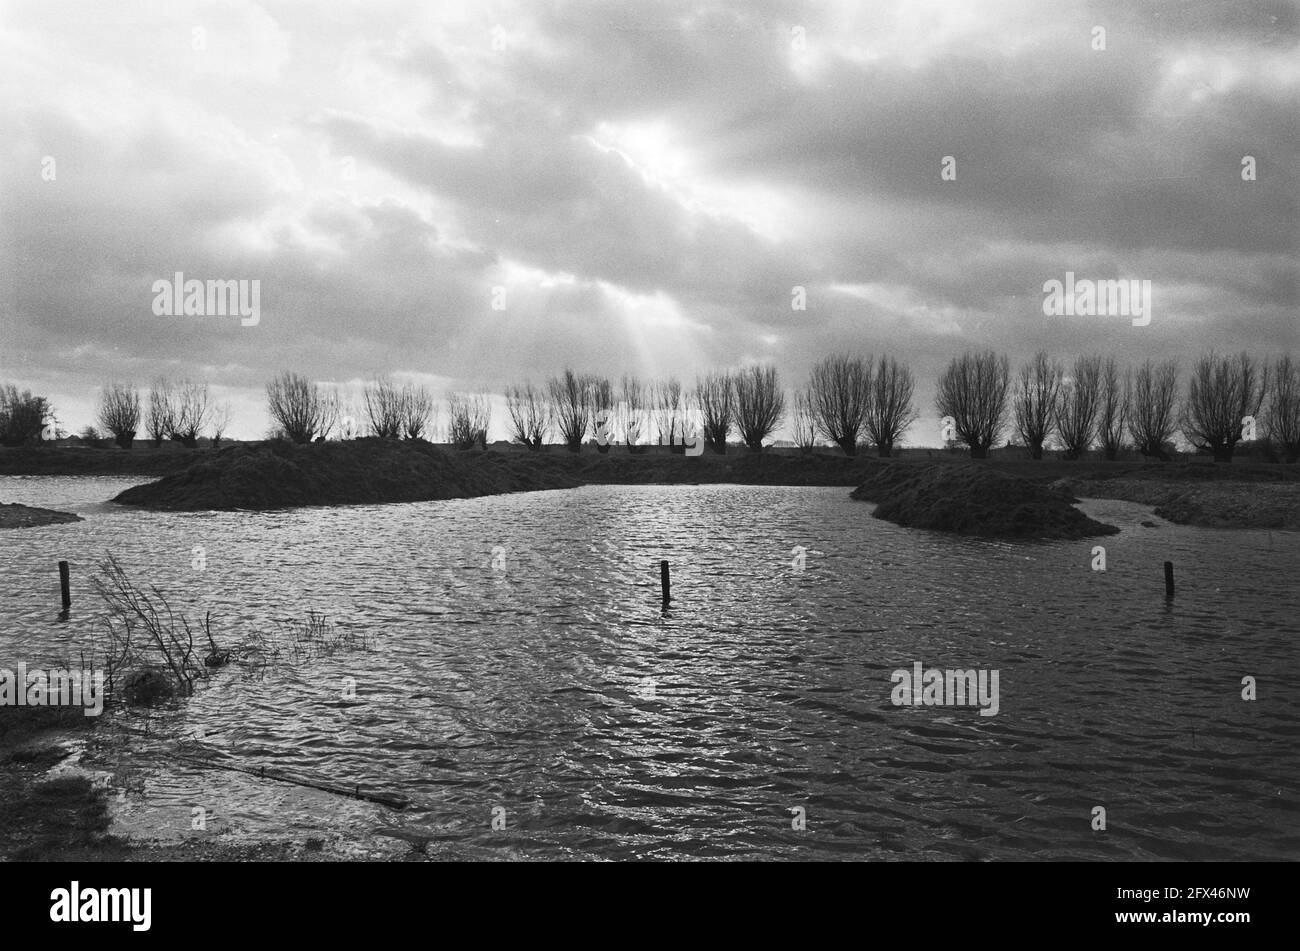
(1213, 496)
(13, 515)
(369, 471)
(974, 500)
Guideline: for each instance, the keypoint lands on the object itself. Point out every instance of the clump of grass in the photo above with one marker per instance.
(295, 641)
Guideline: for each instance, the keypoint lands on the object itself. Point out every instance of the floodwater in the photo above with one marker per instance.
(523, 685)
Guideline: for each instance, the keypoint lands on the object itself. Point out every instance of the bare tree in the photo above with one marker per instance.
(418, 410)
(840, 390)
(666, 396)
(220, 423)
(804, 422)
(1116, 404)
(1034, 402)
(1282, 419)
(468, 417)
(973, 391)
(760, 404)
(889, 409)
(303, 410)
(119, 412)
(601, 394)
(1221, 393)
(385, 409)
(571, 406)
(530, 415)
(1152, 421)
(1077, 404)
(191, 413)
(715, 395)
(636, 403)
(160, 420)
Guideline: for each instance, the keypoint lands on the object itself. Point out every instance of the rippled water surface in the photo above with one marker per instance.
(552, 685)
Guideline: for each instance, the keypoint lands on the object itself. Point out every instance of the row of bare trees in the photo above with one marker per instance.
(750, 402)
(1095, 404)
(182, 411)
(851, 400)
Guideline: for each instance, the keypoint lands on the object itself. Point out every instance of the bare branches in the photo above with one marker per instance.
(119, 412)
(530, 415)
(760, 404)
(840, 391)
(889, 409)
(973, 391)
(1035, 401)
(715, 394)
(1076, 406)
(1222, 392)
(302, 409)
(1282, 418)
(571, 407)
(1152, 421)
(1116, 406)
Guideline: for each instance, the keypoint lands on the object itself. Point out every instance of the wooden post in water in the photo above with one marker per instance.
(663, 581)
(1169, 579)
(64, 587)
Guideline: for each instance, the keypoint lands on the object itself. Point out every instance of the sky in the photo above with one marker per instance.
(470, 195)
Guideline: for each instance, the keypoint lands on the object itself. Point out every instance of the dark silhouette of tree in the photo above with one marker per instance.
(1034, 402)
(760, 404)
(530, 415)
(1282, 418)
(840, 390)
(119, 412)
(571, 406)
(1152, 421)
(303, 410)
(889, 409)
(1221, 393)
(973, 391)
(715, 395)
(1116, 405)
(1077, 404)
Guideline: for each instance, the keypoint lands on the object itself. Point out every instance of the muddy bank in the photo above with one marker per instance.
(1211, 504)
(371, 471)
(13, 515)
(975, 500)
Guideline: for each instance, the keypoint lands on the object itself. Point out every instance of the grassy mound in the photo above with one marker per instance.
(974, 499)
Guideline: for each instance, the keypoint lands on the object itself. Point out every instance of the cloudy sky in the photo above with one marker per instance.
(648, 183)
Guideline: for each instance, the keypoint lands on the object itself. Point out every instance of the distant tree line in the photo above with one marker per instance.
(1093, 404)
(849, 400)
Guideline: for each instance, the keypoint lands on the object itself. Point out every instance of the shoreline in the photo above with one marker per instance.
(269, 476)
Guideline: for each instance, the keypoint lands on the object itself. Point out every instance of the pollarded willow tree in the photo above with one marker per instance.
(1221, 394)
(803, 423)
(666, 396)
(600, 393)
(840, 391)
(1116, 404)
(715, 396)
(468, 418)
(119, 412)
(160, 416)
(301, 409)
(1034, 403)
(571, 406)
(760, 404)
(418, 411)
(530, 415)
(973, 392)
(1282, 415)
(385, 409)
(1152, 420)
(1077, 404)
(636, 404)
(890, 410)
